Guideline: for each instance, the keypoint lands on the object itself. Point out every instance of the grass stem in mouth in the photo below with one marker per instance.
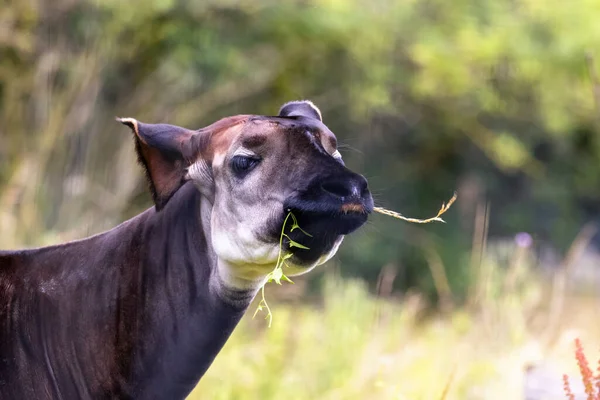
(445, 207)
(277, 275)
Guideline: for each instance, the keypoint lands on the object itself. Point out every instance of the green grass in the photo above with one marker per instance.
(353, 345)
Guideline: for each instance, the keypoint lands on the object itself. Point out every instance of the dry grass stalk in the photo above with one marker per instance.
(444, 395)
(559, 283)
(445, 207)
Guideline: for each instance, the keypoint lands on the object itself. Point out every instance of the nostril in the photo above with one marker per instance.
(339, 188)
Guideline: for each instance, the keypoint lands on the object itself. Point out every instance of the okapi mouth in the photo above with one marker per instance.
(324, 222)
(353, 207)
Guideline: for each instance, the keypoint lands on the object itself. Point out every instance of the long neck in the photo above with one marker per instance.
(190, 314)
(138, 311)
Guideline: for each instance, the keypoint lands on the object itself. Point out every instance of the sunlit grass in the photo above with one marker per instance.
(356, 346)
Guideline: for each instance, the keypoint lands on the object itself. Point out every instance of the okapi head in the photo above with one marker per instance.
(254, 170)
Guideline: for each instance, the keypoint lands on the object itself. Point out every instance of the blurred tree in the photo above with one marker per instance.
(498, 99)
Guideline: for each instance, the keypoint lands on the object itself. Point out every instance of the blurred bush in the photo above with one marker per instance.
(499, 99)
(358, 346)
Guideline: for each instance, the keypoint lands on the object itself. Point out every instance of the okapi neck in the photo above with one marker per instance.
(137, 312)
(192, 315)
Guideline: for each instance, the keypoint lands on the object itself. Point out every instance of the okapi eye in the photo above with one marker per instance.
(241, 165)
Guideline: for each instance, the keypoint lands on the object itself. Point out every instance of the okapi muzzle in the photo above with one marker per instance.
(327, 210)
(142, 310)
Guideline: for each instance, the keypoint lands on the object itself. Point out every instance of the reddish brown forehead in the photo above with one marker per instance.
(258, 129)
(219, 135)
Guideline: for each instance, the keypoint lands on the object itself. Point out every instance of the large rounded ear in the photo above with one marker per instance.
(165, 152)
(303, 108)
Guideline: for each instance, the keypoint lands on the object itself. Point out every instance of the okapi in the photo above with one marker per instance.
(141, 311)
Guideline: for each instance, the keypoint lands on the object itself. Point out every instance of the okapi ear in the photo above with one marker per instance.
(165, 151)
(303, 108)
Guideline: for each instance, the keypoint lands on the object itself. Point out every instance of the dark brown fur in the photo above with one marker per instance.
(110, 316)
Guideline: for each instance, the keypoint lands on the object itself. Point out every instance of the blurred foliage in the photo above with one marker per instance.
(356, 346)
(499, 99)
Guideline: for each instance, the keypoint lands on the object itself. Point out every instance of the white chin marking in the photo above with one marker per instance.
(229, 276)
(244, 261)
(246, 268)
(245, 249)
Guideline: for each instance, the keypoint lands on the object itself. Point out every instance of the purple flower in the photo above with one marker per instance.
(523, 239)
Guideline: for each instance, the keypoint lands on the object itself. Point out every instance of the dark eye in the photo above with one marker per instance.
(241, 165)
